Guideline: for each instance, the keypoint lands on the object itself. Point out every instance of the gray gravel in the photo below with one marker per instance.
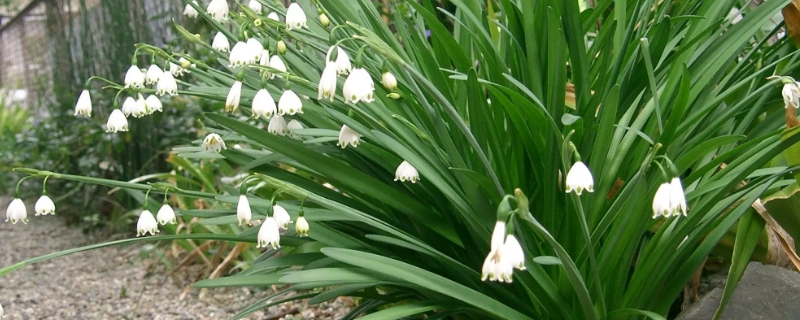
(114, 283)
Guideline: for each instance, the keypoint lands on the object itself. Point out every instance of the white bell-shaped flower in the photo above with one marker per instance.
(275, 62)
(117, 122)
(254, 49)
(146, 224)
(263, 60)
(327, 82)
(389, 81)
(167, 84)
(234, 96)
(277, 126)
(504, 267)
(129, 106)
(579, 178)
(153, 75)
(218, 10)
(512, 251)
(677, 198)
(16, 211)
(221, 43)
(292, 126)
(263, 105)
(406, 172)
(239, 55)
(166, 215)
(301, 226)
(289, 103)
(343, 65)
(44, 206)
(348, 136)
(153, 104)
(295, 17)
(358, 87)
(190, 11)
(176, 70)
(84, 104)
(498, 235)
(269, 234)
(140, 108)
(281, 216)
(791, 95)
(243, 212)
(274, 16)
(134, 78)
(489, 270)
(661, 201)
(214, 142)
(255, 6)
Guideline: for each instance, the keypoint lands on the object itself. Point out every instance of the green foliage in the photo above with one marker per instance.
(483, 116)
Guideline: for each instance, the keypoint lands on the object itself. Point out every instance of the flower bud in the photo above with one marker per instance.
(323, 19)
(281, 46)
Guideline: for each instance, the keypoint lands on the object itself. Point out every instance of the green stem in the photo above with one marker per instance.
(147, 197)
(44, 185)
(16, 190)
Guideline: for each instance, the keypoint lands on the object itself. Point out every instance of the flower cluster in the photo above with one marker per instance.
(18, 212)
(149, 224)
(506, 254)
(269, 233)
(669, 200)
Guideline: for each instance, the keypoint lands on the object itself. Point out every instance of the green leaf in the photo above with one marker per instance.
(547, 260)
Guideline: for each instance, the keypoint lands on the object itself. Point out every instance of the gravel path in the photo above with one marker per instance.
(114, 283)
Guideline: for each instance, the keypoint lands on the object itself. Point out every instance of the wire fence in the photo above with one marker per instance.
(51, 46)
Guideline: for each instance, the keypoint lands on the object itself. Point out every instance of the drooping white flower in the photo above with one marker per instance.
(218, 10)
(146, 224)
(275, 62)
(153, 104)
(129, 106)
(239, 55)
(255, 6)
(348, 136)
(282, 217)
(134, 78)
(295, 17)
(343, 65)
(186, 65)
(243, 211)
(277, 126)
(190, 11)
(117, 122)
(579, 178)
(269, 234)
(406, 172)
(167, 84)
(214, 142)
(140, 107)
(358, 87)
(84, 104)
(221, 43)
(301, 226)
(791, 95)
(389, 81)
(489, 270)
(677, 199)
(327, 82)
(153, 74)
(234, 96)
(44, 206)
(274, 16)
(498, 235)
(263, 105)
(289, 103)
(512, 251)
(504, 267)
(254, 49)
(292, 126)
(166, 215)
(176, 70)
(661, 201)
(16, 211)
(263, 60)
